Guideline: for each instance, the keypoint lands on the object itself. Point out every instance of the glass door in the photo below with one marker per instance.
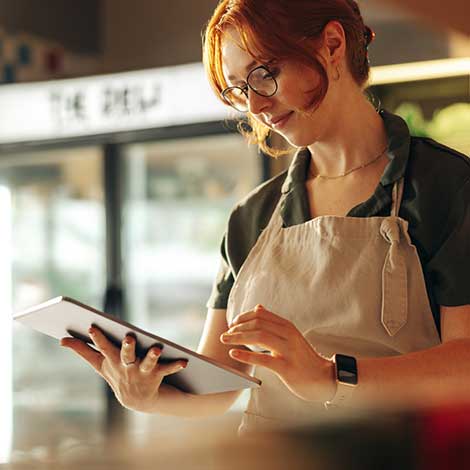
(53, 229)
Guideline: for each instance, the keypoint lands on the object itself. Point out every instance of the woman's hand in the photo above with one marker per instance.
(307, 374)
(135, 381)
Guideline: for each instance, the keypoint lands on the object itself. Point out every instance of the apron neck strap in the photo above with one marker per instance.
(397, 195)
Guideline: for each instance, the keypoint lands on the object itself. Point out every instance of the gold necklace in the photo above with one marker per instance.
(349, 171)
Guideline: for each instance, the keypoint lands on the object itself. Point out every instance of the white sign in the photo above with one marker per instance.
(109, 103)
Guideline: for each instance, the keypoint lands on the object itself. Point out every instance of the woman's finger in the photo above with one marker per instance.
(103, 345)
(150, 360)
(261, 338)
(259, 324)
(94, 358)
(172, 367)
(128, 351)
(259, 312)
(256, 359)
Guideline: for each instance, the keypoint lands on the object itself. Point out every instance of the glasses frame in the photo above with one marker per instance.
(244, 88)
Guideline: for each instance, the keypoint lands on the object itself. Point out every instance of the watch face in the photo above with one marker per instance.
(347, 369)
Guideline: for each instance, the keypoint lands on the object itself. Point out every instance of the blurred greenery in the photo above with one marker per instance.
(413, 115)
(449, 126)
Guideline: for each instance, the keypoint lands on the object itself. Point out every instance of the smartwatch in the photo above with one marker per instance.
(346, 380)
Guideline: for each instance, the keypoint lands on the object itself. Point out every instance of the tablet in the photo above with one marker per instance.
(63, 316)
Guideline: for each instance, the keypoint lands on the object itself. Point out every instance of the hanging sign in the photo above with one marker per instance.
(107, 104)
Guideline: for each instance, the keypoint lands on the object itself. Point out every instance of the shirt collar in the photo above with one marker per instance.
(294, 199)
(398, 151)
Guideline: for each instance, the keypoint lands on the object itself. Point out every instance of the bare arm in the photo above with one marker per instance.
(427, 377)
(174, 402)
(435, 375)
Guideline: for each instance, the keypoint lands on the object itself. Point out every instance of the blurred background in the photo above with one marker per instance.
(118, 169)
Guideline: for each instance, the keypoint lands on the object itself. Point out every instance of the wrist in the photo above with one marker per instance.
(330, 380)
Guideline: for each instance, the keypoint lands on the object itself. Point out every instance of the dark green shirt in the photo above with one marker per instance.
(436, 204)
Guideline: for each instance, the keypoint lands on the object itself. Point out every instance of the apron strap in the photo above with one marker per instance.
(394, 312)
(397, 195)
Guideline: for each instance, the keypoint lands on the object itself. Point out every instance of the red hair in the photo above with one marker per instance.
(278, 29)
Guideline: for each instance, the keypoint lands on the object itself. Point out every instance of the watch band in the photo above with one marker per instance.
(346, 380)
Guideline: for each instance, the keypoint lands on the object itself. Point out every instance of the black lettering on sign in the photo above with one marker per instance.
(122, 101)
(68, 107)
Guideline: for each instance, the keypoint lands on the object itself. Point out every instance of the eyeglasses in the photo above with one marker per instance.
(260, 80)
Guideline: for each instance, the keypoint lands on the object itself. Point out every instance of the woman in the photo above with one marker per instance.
(345, 279)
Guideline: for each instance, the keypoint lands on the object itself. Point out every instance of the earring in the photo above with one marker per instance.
(336, 78)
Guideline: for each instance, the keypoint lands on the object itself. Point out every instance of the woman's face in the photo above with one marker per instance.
(295, 84)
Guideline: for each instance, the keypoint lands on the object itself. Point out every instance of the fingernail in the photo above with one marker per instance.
(91, 331)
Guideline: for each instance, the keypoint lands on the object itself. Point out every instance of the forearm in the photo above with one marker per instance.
(172, 401)
(422, 378)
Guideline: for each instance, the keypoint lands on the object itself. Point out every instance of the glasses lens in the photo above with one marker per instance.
(262, 81)
(236, 98)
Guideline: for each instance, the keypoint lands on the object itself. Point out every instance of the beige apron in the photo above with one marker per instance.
(351, 285)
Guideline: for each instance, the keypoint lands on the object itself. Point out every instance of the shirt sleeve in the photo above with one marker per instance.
(449, 268)
(223, 282)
